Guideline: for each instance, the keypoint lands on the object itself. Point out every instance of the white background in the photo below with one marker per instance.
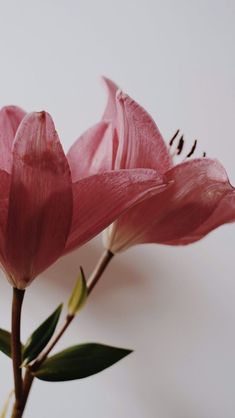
(174, 306)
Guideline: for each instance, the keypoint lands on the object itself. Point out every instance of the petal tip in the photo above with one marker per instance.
(107, 81)
(42, 115)
(11, 110)
(121, 96)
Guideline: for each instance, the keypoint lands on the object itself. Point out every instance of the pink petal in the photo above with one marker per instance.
(140, 142)
(40, 205)
(10, 118)
(4, 200)
(92, 153)
(100, 199)
(223, 213)
(110, 110)
(98, 144)
(198, 187)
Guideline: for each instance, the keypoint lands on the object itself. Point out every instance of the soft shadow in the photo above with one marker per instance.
(119, 274)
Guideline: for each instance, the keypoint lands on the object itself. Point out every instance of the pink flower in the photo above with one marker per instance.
(199, 199)
(43, 212)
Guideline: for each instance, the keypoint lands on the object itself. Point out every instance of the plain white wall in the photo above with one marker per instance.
(174, 306)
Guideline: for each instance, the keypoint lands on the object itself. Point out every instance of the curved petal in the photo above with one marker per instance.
(40, 203)
(100, 199)
(140, 142)
(10, 118)
(198, 187)
(92, 153)
(110, 110)
(224, 213)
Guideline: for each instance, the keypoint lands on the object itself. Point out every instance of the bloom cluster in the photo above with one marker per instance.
(118, 175)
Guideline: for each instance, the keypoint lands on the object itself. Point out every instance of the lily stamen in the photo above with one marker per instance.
(192, 149)
(179, 148)
(180, 145)
(173, 138)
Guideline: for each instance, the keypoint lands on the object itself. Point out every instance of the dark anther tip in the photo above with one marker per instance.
(180, 145)
(173, 138)
(192, 149)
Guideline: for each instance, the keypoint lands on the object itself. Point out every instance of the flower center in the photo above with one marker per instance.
(178, 140)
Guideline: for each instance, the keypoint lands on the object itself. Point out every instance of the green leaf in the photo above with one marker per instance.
(79, 294)
(79, 361)
(5, 342)
(40, 337)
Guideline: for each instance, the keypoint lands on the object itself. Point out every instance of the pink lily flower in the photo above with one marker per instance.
(43, 212)
(199, 199)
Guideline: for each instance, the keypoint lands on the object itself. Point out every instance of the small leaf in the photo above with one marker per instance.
(79, 294)
(5, 342)
(79, 361)
(40, 337)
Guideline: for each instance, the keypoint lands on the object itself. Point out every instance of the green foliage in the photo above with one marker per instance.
(40, 337)
(5, 342)
(80, 361)
(78, 295)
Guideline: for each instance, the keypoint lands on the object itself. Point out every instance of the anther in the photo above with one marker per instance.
(204, 154)
(192, 149)
(173, 138)
(180, 145)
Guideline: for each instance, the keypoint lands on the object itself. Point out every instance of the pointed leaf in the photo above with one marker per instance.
(79, 294)
(79, 361)
(40, 337)
(5, 342)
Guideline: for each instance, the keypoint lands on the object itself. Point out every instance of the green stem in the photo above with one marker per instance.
(28, 379)
(42, 357)
(18, 296)
(99, 269)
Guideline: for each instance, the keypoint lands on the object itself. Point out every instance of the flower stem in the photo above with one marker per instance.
(18, 296)
(28, 379)
(99, 269)
(42, 357)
